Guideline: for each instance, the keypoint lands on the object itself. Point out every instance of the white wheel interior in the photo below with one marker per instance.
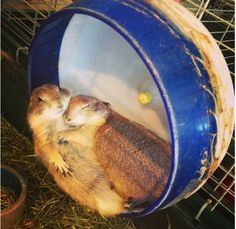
(96, 60)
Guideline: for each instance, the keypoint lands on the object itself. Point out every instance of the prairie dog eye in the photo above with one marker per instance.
(39, 99)
(85, 107)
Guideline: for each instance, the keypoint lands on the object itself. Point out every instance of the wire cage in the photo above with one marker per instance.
(21, 18)
(218, 16)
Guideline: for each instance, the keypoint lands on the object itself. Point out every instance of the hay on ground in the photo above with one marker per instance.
(47, 206)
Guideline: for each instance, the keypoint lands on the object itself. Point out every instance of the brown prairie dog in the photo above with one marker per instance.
(74, 166)
(136, 160)
(45, 117)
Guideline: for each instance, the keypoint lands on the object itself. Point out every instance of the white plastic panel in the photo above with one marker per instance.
(96, 60)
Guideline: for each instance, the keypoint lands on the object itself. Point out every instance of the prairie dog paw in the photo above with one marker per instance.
(65, 171)
(62, 139)
(61, 165)
(128, 203)
(136, 206)
(129, 209)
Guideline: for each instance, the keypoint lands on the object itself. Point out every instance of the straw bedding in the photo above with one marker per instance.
(47, 206)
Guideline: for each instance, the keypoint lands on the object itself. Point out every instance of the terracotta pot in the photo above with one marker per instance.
(11, 178)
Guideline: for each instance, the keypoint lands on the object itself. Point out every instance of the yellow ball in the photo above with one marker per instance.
(145, 97)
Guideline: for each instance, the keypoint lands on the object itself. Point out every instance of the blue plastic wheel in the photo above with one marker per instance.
(119, 50)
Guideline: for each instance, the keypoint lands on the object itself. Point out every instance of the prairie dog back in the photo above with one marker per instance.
(137, 161)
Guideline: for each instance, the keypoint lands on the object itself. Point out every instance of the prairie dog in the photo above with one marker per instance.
(136, 160)
(75, 168)
(45, 117)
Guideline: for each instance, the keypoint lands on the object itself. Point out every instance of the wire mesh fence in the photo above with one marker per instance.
(21, 18)
(219, 18)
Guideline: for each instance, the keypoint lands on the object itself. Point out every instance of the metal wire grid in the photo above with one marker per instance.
(219, 188)
(219, 18)
(21, 19)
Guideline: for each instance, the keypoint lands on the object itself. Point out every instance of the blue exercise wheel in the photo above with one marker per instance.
(156, 64)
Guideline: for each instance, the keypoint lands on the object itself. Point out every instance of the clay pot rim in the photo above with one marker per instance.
(21, 199)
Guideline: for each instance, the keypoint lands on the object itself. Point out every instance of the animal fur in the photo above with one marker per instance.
(73, 165)
(136, 160)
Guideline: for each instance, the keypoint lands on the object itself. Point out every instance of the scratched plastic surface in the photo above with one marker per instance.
(114, 50)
